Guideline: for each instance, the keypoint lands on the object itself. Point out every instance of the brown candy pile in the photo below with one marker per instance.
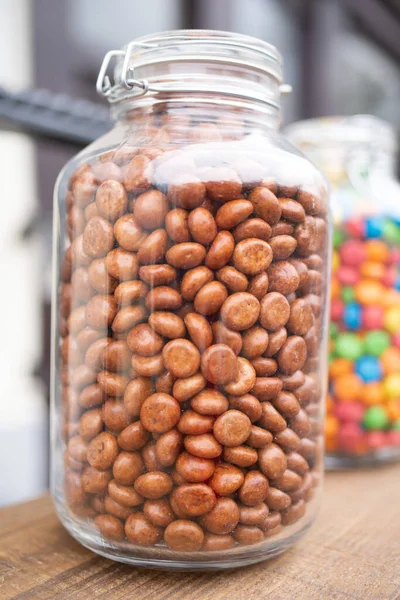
(190, 323)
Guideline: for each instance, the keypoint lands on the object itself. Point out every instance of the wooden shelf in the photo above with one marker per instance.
(351, 553)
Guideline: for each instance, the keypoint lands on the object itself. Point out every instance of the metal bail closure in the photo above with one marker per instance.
(104, 86)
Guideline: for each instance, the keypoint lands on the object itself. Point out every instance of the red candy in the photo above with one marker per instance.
(377, 439)
(352, 253)
(347, 275)
(337, 308)
(355, 228)
(396, 340)
(349, 411)
(372, 317)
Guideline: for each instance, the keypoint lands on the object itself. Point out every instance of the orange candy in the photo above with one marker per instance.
(377, 251)
(335, 288)
(390, 360)
(340, 366)
(393, 409)
(373, 393)
(348, 387)
(372, 270)
(329, 403)
(369, 292)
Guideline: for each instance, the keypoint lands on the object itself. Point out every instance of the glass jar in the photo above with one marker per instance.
(192, 254)
(363, 407)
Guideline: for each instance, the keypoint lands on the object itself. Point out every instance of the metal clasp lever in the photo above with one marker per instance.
(104, 86)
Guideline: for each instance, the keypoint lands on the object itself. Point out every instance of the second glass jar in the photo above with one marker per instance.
(192, 251)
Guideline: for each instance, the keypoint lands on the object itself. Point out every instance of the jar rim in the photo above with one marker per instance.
(353, 130)
(186, 45)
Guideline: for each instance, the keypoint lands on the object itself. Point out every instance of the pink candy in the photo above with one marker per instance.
(352, 253)
(377, 439)
(372, 317)
(390, 277)
(349, 436)
(337, 308)
(356, 227)
(394, 437)
(349, 411)
(347, 275)
(396, 340)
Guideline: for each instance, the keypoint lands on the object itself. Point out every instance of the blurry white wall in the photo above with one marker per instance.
(23, 413)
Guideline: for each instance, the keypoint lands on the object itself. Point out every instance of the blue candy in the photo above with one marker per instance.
(397, 284)
(369, 368)
(374, 227)
(352, 315)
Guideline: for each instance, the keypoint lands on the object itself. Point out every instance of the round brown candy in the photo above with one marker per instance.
(184, 536)
(127, 467)
(244, 379)
(252, 228)
(204, 445)
(121, 264)
(113, 507)
(167, 324)
(165, 382)
(223, 518)
(247, 404)
(264, 367)
(233, 279)
(193, 468)
(287, 404)
(266, 388)
(242, 456)
(226, 479)
(163, 298)
(232, 213)
(183, 389)
(292, 355)
(253, 515)
(275, 311)
(110, 527)
(181, 358)
(159, 413)
(116, 356)
(95, 481)
(272, 461)
(168, 447)
(255, 341)
(220, 251)
(248, 534)
(193, 423)
(283, 278)
(102, 451)
(159, 512)
(275, 342)
(150, 209)
(216, 543)
(209, 402)
(139, 530)
(113, 384)
(154, 484)
(282, 246)
(292, 210)
(222, 184)
(259, 437)
(143, 340)
(156, 275)
(258, 285)
(288, 481)
(101, 311)
(153, 248)
(223, 335)
(195, 499)
(186, 190)
(176, 224)
(133, 437)
(240, 311)
(266, 205)
(186, 255)
(232, 428)
(193, 280)
(90, 424)
(202, 226)
(128, 233)
(288, 440)
(136, 392)
(277, 500)
(97, 237)
(254, 488)
(271, 419)
(301, 317)
(210, 298)
(218, 364)
(252, 255)
(300, 423)
(111, 200)
(125, 495)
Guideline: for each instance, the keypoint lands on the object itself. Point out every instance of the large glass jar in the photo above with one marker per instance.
(363, 410)
(192, 254)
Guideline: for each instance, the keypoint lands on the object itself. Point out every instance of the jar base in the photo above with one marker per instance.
(87, 536)
(334, 462)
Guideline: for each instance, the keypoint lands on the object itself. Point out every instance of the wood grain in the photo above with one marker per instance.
(351, 553)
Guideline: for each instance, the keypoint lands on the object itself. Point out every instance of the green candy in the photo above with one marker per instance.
(347, 294)
(338, 238)
(391, 232)
(375, 417)
(348, 345)
(376, 342)
(333, 330)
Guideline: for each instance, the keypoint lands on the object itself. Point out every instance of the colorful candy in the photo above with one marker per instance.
(363, 408)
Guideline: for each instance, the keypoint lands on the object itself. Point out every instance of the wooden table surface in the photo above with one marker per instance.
(351, 553)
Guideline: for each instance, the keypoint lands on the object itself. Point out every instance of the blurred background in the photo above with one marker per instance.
(340, 56)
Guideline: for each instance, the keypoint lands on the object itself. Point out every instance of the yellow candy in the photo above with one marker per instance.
(369, 292)
(335, 260)
(391, 319)
(391, 385)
